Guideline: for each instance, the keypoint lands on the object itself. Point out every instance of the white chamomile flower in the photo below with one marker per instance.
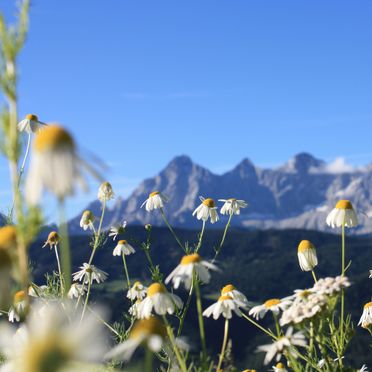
(54, 166)
(275, 305)
(370, 274)
(225, 306)
(52, 240)
(149, 332)
(207, 209)
(123, 247)
(283, 343)
(330, 286)
(364, 368)
(342, 214)
(155, 200)
(138, 291)
(30, 124)
(89, 273)
(17, 311)
(279, 367)
(105, 192)
(307, 257)
(159, 299)
(183, 273)
(232, 206)
(37, 291)
(117, 230)
(52, 339)
(76, 290)
(134, 310)
(230, 290)
(87, 220)
(366, 318)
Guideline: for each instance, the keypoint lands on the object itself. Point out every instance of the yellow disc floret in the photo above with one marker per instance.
(32, 117)
(344, 204)
(368, 305)
(224, 298)
(305, 245)
(190, 259)
(154, 193)
(209, 203)
(19, 296)
(227, 288)
(122, 242)
(53, 237)
(8, 237)
(155, 288)
(280, 366)
(53, 137)
(147, 327)
(272, 302)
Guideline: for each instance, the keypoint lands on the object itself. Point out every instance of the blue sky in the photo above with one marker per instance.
(138, 82)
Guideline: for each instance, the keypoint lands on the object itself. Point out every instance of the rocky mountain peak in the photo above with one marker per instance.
(302, 163)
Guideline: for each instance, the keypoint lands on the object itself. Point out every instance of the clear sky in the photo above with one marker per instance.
(140, 81)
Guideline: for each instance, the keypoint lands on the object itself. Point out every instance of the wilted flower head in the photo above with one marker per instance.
(207, 209)
(138, 291)
(30, 124)
(53, 240)
(232, 206)
(76, 290)
(54, 165)
(307, 257)
(155, 200)
(366, 318)
(230, 290)
(87, 220)
(342, 214)
(105, 192)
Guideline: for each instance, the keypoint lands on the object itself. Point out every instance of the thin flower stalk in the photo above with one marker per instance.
(171, 230)
(126, 270)
(224, 343)
(200, 238)
(218, 250)
(65, 250)
(200, 319)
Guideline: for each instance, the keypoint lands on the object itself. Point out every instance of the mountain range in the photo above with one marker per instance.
(298, 194)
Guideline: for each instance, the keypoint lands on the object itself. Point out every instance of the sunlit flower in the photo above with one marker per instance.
(232, 206)
(52, 240)
(230, 290)
(283, 343)
(52, 340)
(343, 213)
(183, 273)
(275, 305)
(89, 273)
(76, 290)
(366, 318)
(155, 200)
(307, 255)
(18, 310)
(159, 299)
(207, 209)
(87, 220)
(225, 306)
(55, 165)
(117, 230)
(123, 247)
(279, 367)
(30, 124)
(148, 332)
(105, 192)
(138, 291)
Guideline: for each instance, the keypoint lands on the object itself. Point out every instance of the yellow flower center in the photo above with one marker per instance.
(190, 259)
(272, 302)
(224, 298)
(151, 326)
(88, 216)
(53, 237)
(154, 193)
(305, 293)
(8, 236)
(344, 204)
(32, 117)
(305, 245)
(122, 242)
(155, 288)
(136, 284)
(368, 305)
(209, 203)
(227, 288)
(19, 296)
(52, 137)
(249, 370)
(280, 365)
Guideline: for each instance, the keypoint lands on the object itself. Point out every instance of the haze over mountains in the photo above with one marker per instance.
(298, 194)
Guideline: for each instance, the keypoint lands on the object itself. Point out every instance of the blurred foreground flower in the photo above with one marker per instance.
(342, 214)
(155, 200)
(18, 310)
(207, 209)
(30, 124)
(232, 206)
(76, 290)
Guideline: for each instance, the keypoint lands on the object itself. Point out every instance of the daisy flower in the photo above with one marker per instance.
(117, 230)
(366, 318)
(230, 290)
(54, 166)
(207, 209)
(155, 200)
(18, 310)
(30, 124)
(183, 273)
(76, 290)
(343, 213)
(281, 344)
(87, 220)
(148, 332)
(134, 310)
(364, 368)
(232, 206)
(89, 273)
(52, 240)
(37, 291)
(307, 255)
(105, 192)
(275, 305)
(138, 291)
(159, 299)
(225, 306)
(123, 247)
(370, 274)
(279, 367)
(331, 286)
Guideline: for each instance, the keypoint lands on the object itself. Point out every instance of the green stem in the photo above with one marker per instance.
(104, 323)
(342, 297)
(259, 326)
(97, 236)
(200, 319)
(171, 230)
(65, 249)
(224, 343)
(185, 310)
(87, 296)
(223, 238)
(59, 269)
(148, 360)
(278, 332)
(126, 270)
(200, 238)
(314, 276)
